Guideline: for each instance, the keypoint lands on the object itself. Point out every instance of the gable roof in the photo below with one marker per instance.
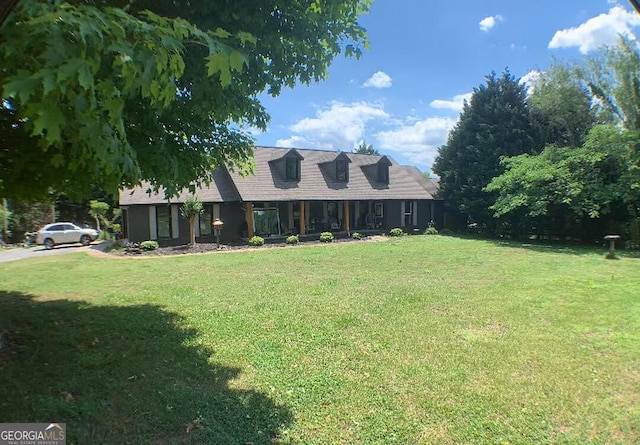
(221, 189)
(317, 182)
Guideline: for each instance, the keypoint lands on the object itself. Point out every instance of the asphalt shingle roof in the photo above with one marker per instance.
(317, 181)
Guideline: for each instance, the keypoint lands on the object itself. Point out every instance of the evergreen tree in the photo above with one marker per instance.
(493, 124)
(366, 149)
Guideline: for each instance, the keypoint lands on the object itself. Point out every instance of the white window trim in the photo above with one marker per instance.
(175, 229)
(153, 228)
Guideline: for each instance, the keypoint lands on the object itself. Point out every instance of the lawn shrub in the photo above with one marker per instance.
(256, 241)
(431, 229)
(293, 240)
(149, 245)
(326, 237)
(396, 232)
(356, 235)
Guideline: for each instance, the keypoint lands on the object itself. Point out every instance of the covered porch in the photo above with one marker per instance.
(277, 219)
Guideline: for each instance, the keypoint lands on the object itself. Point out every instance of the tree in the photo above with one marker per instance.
(495, 123)
(561, 108)
(29, 216)
(577, 184)
(613, 78)
(98, 211)
(111, 93)
(191, 208)
(5, 220)
(365, 149)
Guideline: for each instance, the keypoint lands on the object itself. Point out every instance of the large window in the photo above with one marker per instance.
(292, 168)
(163, 221)
(266, 222)
(205, 219)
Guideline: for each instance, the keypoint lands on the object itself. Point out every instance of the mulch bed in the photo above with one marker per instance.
(213, 247)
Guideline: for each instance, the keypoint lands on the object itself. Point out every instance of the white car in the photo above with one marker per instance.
(65, 233)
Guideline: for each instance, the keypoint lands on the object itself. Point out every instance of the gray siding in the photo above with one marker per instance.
(138, 223)
(233, 216)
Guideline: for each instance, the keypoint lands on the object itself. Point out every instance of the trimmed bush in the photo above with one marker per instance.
(293, 239)
(356, 235)
(149, 245)
(326, 237)
(431, 229)
(396, 232)
(256, 241)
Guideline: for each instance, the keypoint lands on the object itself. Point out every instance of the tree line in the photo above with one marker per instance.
(556, 159)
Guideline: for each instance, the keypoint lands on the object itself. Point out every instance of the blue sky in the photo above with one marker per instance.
(405, 94)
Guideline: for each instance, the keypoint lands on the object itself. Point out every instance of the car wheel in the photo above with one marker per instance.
(85, 240)
(48, 244)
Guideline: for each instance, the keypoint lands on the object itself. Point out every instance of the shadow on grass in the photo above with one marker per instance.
(123, 374)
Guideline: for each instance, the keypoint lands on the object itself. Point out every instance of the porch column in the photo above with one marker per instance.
(249, 218)
(290, 216)
(347, 223)
(302, 218)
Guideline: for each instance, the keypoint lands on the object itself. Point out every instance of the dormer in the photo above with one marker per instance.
(383, 170)
(289, 165)
(341, 165)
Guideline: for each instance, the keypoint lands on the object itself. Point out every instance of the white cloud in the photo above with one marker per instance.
(338, 127)
(455, 104)
(530, 80)
(597, 31)
(487, 23)
(379, 79)
(418, 142)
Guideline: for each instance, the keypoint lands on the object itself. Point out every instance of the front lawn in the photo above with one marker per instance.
(416, 340)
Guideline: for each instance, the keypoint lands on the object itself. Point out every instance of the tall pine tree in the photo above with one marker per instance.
(493, 124)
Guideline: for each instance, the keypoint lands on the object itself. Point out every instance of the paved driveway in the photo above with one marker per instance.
(39, 251)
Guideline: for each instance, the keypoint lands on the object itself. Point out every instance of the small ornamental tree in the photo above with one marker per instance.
(98, 211)
(191, 208)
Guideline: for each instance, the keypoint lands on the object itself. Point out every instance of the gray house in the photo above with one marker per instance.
(292, 191)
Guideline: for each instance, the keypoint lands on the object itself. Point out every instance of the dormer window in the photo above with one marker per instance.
(383, 173)
(341, 170)
(292, 168)
(383, 170)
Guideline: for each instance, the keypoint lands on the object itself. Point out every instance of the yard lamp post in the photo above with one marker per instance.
(217, 228)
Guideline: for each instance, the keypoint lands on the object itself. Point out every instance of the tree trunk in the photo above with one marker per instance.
(192, 230)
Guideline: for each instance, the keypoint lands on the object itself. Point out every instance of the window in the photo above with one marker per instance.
(408, 213)
(266, 222)
(379, 210)
(383, 173)
(163, 221)
(292, 168)
(205, 220)
(341, 170)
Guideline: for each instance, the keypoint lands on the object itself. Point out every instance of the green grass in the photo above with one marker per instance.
(416, 340)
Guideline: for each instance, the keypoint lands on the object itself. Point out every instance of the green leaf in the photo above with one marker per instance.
(219, 64)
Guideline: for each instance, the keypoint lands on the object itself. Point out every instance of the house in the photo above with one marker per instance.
(292, 191)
